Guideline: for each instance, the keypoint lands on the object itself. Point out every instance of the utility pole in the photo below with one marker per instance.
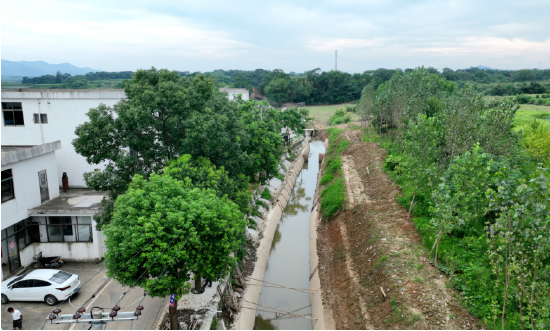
(336, 60)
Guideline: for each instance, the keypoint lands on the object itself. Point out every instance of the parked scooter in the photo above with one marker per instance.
(46, 262)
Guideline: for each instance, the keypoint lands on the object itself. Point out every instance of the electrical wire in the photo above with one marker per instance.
(42, 328)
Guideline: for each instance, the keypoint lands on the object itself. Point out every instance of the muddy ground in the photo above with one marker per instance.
(375, 272)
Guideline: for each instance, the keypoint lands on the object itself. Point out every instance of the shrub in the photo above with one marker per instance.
(340, 117)
(266, 194)
(263, 204)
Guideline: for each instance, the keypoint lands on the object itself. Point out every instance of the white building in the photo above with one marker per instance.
(36, 217)
(233, 92)
(35, 116)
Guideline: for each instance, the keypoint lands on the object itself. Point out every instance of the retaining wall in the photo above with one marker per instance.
(247, 314)
(323, 317)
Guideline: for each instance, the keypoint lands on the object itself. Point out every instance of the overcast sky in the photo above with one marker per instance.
(118, 35)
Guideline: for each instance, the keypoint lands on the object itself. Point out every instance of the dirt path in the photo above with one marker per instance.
(374, 270)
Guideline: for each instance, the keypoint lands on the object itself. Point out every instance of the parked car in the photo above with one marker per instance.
(50, 286)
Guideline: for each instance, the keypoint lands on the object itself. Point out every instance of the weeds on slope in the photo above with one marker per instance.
(333, 195)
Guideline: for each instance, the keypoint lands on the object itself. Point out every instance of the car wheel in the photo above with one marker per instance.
(5, 299)
(56, 264)
(50, 300)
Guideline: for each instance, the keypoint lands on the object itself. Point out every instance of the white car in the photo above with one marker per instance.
(50, 286)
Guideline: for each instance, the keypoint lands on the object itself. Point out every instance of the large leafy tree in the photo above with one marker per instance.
(163, 117)
(163, 229)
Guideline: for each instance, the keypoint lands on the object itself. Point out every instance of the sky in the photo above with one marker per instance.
(290, 35)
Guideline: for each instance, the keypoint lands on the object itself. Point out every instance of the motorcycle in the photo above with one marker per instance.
(46, 262)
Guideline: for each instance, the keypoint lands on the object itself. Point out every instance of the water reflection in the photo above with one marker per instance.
(288, 264)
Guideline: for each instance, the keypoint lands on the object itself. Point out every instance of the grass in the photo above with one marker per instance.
(333, 195)
(323, 113)
(266, 194)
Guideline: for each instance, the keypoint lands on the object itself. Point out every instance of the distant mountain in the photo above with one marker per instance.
(40, 68)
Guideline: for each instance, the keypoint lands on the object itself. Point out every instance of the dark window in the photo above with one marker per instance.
(21, 232)
(61, 277)
(15, 280)
(43, 184)
(13, 113)
(40, 118)
(23, 284)
(67, 229)
(40, 283)
(7, 185)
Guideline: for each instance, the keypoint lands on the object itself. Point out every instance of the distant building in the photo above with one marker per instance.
(233, 92)
(37, 217)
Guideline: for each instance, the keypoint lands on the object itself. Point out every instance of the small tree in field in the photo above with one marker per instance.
(520, 249)
(460, 197)
(162, 230)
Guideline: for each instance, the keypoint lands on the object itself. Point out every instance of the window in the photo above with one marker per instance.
(23, 284)
(19, 232)
(40, 118)
(43, 184)
(15, 280)
(7, 186)
(67, 229)
(40, 283)
(61, 277)
(13, 113)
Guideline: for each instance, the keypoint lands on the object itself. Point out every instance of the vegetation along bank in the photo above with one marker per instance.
(467, 190)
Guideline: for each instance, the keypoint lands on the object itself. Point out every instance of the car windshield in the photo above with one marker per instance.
(61, 277)
(15, 280)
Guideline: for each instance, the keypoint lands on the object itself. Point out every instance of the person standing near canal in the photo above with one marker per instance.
(17, 318)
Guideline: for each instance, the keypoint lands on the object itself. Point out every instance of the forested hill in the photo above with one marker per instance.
(319, 87)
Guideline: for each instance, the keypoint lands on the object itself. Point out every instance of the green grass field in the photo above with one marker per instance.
(323, 113)
(527, 113)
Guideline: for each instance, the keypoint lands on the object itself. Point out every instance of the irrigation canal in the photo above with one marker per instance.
(288, 262)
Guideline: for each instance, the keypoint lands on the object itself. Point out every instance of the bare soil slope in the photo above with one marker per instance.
(374, 271)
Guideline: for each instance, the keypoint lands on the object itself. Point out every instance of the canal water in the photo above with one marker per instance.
(288, 262)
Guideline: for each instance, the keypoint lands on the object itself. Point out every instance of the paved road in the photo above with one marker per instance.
(35, 313)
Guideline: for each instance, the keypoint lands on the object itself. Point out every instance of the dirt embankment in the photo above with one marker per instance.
(374, 271)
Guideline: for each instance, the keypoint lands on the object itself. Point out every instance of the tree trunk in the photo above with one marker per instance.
(507, 280)
(533, 293)
(173, 312)
(198, 285)
(436, 249)
(412, 203)
(521, 312)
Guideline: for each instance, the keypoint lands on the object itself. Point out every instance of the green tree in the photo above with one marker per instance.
(520, 247)
(241, 82)
(163, 230)
(278, 90)
(163, 117)
(460, 197)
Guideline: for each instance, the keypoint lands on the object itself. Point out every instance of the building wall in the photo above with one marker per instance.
(245, 96)
(26, 186)
(66, 110)
(69, 251)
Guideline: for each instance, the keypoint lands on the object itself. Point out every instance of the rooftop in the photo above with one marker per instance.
(233, 90)
(74, 201)
(26, 93)
(16, 153)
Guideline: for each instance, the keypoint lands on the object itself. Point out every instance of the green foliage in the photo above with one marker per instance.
(203, 174)
(333, 197)
(266, 194)
(162, 230)
(536, 139)
(327, 178)
(340, 117)
(166, 116)
(520, 247)
(261, 203)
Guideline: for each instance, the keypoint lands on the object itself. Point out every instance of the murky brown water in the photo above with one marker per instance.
(288, 262)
